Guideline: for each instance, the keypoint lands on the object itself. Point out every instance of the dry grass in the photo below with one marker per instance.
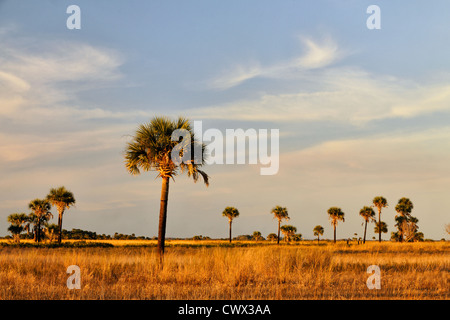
(304, 271)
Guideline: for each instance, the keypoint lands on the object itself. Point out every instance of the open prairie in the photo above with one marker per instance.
(216, 270)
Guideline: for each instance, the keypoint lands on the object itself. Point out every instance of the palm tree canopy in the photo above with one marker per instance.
(230, 213)
(40, 207)
(318, 230)
(61, 198)
(18, 219)
(280, 213)
(288, 229)
(382, 225)
(15, 229)
(367, 213)
(404, 206)
(335, 214)
(152, 147)
(380, 202)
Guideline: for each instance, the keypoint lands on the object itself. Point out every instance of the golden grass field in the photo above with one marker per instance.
(211, 270)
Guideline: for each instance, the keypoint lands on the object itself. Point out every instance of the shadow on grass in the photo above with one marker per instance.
(75, 244)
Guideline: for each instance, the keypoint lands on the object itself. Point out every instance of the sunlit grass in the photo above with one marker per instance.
(304, 270)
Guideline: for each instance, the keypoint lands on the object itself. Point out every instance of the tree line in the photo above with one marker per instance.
(407, 228)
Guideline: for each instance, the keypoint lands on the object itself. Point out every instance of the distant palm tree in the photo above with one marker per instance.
(230, 213)
(272, 237)
(41, 210)
(335, 214)
(153, 148)
(257, 236)
(288, 231)
(403, 208)
(379, 202)
(16, 231)
(63, 199)
(318, 231)
(280, 213)
(18, 222)
(368, 215)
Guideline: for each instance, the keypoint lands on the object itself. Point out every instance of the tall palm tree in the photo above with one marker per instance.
(280, 213)
(318, 231)
(18, 222)
(379, 202)
(41, 210)
(335, 214)
(288, 231)
(63, 199)
(368, 215)
(153, 149)
(403, 208)
(230, 213)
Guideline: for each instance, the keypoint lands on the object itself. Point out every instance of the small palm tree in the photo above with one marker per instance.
(403, 208)
(272, 237)
(18, 224)
(230, 213)
(280, 213)
(380, 203)
(16, 231)
(41, 210)
(257, 236)
(318, 231)
(335, 214)
(288, 231)
(63, 199)
(153, 149)
(368, 215)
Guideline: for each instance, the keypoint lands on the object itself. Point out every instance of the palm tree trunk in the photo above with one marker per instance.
(278, 239)
(60, 227)
(365, 229)
(317, 239)
(379, 224)
(230, 230)
(38, 230)
(334, 233)
(163, 217)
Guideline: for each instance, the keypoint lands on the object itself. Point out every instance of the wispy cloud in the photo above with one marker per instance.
(345, 94)
(38, 83)
(318, 54)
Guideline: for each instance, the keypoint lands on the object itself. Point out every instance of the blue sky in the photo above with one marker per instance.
(361, 112)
